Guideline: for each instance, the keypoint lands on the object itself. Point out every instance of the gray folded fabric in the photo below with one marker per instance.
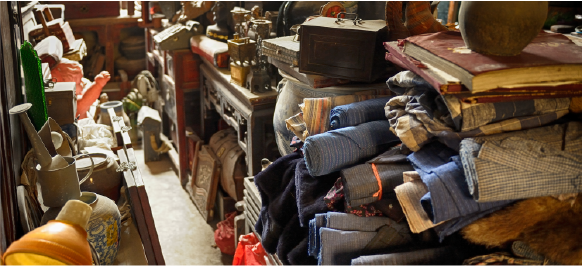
(531, 163)
(340, 247)
(333, 150)
(440, 256)
(314, 241)
(357, 113)
(359, 232)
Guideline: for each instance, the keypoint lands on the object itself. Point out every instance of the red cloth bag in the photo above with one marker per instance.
(249, 251)
(224, 234)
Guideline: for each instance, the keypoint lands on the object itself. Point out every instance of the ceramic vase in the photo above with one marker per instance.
(502, 28)
(103, 229)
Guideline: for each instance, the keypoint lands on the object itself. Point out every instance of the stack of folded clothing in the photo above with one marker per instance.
(424, 176)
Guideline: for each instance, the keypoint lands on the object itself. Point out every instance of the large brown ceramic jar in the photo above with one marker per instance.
(502, 28)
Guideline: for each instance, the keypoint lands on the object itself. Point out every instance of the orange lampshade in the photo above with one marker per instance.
(62, 241)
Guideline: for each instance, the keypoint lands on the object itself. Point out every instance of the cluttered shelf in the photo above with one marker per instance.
(358, 139)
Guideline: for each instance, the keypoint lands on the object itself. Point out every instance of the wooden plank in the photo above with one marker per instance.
(147, 211)
(116, 126)
(138, 215)
(124, 134)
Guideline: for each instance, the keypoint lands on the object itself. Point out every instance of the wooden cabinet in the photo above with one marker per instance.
(250, 114)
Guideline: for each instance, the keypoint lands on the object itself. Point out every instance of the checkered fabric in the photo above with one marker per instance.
(518, 165)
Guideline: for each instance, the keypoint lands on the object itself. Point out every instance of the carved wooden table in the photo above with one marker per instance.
(251, 114)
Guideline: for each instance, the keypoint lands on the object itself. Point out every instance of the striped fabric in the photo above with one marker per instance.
(340, 247)
(296, 125)
(314, 224)
(316, 111)
(361, 185)
(357, 113)
(448, 198)
(447, 255)
(480, 114)
(419, 114)
(532, 163)
(409, 195)
(343, 236)
(344, 147)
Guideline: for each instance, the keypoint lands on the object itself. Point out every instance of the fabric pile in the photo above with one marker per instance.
(422, 178)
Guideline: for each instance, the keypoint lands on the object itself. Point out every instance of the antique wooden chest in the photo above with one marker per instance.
(349, 49)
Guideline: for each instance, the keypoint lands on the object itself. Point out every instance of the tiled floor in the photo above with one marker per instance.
(185, 237)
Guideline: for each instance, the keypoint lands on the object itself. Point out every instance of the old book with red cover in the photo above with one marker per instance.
(450, 86)
(550, 57)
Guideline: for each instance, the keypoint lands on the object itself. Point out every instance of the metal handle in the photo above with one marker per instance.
(90, 169)
(356, 19)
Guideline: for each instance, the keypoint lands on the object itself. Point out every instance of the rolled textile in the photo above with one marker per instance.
(357, 113)
(337, 149)
(276, 185)
(448, 197)
(447, 255)
(310, 192)
(316, 111)
(361, 184)
(532, 163)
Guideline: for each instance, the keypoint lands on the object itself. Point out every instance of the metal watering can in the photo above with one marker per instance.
(57, 175)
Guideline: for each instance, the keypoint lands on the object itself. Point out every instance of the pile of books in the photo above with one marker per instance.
(549, 67)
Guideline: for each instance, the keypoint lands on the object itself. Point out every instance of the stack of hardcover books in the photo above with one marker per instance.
(549, 67)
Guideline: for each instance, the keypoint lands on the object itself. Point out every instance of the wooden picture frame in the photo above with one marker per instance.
(203, 187)
(194, 144)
